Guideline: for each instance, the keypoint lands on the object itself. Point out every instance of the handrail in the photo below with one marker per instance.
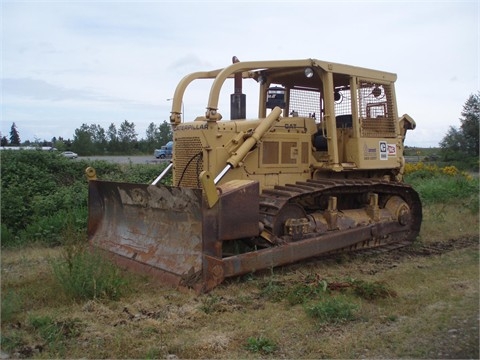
(229, 71)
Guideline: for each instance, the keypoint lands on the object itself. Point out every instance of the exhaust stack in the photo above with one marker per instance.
(238, 101)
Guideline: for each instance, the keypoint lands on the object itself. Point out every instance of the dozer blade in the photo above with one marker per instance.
(154, 230)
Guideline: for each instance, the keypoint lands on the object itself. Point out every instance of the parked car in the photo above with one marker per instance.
(70, 154)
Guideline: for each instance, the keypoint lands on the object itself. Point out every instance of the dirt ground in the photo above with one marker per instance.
(432, 312)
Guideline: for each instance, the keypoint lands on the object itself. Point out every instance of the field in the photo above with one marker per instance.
(420, 301)
(426, 307)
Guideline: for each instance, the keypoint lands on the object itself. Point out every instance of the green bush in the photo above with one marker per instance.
(447, 189)
(52, 229)
(143, 173)
(38, 189)
(45, 194)
(7, 238)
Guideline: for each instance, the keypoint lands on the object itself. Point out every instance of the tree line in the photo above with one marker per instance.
(460, 145)
(93, 139)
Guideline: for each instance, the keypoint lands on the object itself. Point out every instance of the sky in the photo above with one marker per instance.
(68, 63)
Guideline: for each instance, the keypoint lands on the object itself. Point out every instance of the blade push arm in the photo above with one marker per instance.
(208, 183)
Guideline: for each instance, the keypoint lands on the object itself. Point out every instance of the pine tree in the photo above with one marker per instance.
(14, 136)
(463, 144)
(470, 125)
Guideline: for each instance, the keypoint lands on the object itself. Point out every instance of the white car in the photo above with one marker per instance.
(70, 154)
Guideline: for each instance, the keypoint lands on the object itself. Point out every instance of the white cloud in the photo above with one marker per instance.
(67, 63)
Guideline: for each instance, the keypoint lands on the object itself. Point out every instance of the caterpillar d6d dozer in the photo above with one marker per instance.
(319, 170)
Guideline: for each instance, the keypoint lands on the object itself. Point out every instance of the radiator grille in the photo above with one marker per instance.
(380, 127)
(188, 162)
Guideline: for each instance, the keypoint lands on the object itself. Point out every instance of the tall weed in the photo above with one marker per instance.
(85, 275)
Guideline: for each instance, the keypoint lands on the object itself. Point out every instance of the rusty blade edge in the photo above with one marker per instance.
(159, 276)
(296, 251)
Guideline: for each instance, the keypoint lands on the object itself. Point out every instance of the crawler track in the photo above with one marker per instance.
(283, 201)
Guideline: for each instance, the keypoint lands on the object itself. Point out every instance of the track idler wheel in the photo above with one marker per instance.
(399, 209)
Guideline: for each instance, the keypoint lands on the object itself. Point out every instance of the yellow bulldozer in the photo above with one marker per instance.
(319, 169)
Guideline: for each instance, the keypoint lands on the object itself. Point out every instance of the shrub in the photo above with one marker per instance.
(446, 189)
(7, 238)
(38, 188)
(444, 185)
(450, 170)
(143, 173)
(421, 169)
(44, 193)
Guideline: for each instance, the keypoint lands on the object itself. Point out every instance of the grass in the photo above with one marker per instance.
(334, 310)
(372, 290)
(434, 294)
(85, 275)
(454, 221)
(446, 185)
(419, 303)
(260, 345)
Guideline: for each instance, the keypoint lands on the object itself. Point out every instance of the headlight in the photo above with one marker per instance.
(308, 72)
